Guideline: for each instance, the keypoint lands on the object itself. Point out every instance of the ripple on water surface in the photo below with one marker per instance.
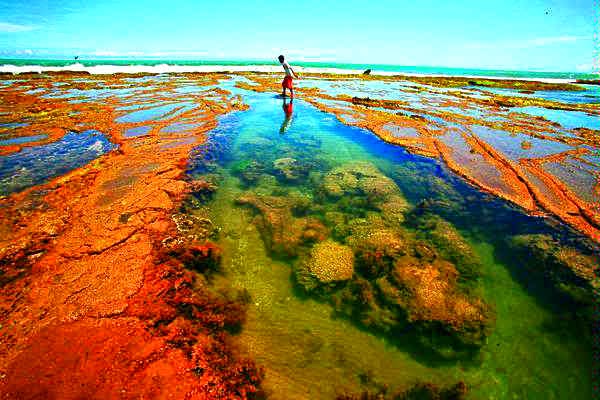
(148, 114)
(35, 165)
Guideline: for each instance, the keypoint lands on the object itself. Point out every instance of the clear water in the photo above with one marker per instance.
(148, 114)
(34, 165)
(137, 131)
(308, 353)
(22, 140)
(510, 144)
(13, 125)
(567, 119)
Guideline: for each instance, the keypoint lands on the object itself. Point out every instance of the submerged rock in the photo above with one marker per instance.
(357, 178)
(287, 168)
(573, 273)
(362, 185)
(376, 247)
(282, 232)
(330, 261)
(377, 271)
(327, 263)
(451, 245)
(248, 171)
(192, 228)
(203, 189)
(428, 292)
(402, 279)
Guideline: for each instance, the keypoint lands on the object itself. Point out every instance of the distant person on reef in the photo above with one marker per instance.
(289, 76)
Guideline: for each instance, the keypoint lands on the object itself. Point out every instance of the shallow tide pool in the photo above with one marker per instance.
(309, 350)
(35, 165)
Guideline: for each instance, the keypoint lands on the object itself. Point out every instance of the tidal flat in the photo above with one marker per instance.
(378, 237)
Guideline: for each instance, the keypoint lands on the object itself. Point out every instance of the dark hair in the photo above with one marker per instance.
(281, 58)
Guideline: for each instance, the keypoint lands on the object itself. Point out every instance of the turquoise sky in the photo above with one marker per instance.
(557, 35)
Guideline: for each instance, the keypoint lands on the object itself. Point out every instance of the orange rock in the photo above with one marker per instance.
(89, 305)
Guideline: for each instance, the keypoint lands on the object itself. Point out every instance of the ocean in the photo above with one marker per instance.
(165, 65)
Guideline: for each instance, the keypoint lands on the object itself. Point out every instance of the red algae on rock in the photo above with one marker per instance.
(91, 304)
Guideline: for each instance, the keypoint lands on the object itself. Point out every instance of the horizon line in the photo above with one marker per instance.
(262, 60)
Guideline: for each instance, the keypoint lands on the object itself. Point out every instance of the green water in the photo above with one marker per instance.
(307, 352)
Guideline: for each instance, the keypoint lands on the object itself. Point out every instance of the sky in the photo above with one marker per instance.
(557, 35)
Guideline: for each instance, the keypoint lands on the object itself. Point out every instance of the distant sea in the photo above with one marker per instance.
(165, 65)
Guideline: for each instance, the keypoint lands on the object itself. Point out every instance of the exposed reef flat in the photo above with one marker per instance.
(92, 294)
(161, 236)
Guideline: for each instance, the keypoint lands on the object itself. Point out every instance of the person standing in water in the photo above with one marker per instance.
(289, 76)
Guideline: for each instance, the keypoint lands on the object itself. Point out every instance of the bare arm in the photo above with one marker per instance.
(294, 73)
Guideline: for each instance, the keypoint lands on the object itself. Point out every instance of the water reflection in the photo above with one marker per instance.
(288, 110)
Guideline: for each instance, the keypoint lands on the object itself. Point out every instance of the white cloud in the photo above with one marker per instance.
(527, 43)
(111, 53)
(177, 54)
(308, 54)
(544, 41)
(105, 53)
(11, 28)
(585, 68)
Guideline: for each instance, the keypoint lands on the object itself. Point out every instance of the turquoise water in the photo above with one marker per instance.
(536, 350)
(376, 67)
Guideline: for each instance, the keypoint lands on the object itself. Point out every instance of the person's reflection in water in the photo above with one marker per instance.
(288, 110)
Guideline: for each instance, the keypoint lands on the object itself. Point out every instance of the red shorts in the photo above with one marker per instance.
(287, 82)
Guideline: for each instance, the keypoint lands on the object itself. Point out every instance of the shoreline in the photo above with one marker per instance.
(108, 69)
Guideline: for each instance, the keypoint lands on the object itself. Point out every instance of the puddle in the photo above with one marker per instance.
(567, 119)
(137, 131)
(148, 114)
(22, 140)
(13, 125)
(511, 145)
(400, 131)
(36, 165)
(180, 127)
(577, 177)
(591, 95)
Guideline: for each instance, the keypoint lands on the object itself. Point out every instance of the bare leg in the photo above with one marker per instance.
(283, 94)
(292, 93)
